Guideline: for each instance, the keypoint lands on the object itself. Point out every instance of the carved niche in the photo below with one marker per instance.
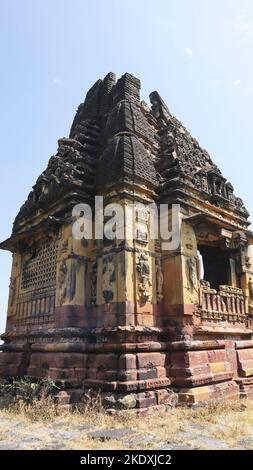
(159, 281)
(67, 276)
(144, 283)
(250, 289)
(62, 281)
(191, 273)
(108, 278)
(93, 283)
(12, 290)
(141, 217)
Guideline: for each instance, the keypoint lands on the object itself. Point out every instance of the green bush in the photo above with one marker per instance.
(27, 389)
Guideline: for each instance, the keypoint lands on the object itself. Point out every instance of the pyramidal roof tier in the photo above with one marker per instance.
(116, 139)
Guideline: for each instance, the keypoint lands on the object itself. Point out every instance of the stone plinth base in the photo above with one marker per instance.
(133, 368)
(246, 387)
(208, 393)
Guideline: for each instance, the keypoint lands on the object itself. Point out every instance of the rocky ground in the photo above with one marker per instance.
(217, 427)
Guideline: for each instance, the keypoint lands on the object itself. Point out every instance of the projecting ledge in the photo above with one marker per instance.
(221, 330)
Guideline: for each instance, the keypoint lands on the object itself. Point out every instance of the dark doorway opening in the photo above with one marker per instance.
(215, 265)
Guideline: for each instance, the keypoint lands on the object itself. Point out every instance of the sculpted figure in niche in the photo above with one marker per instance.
(218, 187)
(204, 184)
(74, 266)
(62, 279)
(12, 288)
(93, 277)
(191, 273)
(250, 289)
(159, 283)
(144, 283)
(108, 278)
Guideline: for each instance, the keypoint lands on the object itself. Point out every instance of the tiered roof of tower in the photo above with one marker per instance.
(116, 140)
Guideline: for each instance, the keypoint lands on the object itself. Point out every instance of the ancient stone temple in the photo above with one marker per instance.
(127, 317)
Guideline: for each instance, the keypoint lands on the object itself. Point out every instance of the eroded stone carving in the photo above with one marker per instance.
(159, 281)
(144, 282)
(62, 281)
(108, 278)
(93, 278)
(181, 155)
(13, 288)
(192, 276)
(250, 289)
(74, 267)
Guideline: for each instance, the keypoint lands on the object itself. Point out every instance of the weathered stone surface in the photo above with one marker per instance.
(110, 434)
(140, 440)
(131, 318)
(173, 446)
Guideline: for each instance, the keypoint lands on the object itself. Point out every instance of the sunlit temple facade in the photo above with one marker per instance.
(126, 317)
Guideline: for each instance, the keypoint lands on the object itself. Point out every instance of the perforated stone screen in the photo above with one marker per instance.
(40, 271)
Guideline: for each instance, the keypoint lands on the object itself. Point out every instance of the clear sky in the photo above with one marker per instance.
(196, 53)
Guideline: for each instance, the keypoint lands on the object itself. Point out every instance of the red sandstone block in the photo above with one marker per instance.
(63, 397)
(100, 384)
(161, 372)
(246, 387)
(37, 372)
(80, 372)
(58, 359)
(245, 362)
(69, 360)
(154, 383)
(107, 320)
(9, 370)
(190, 371)
(111, 375)
(144, 319)
(193, 381)
(189, 358)
(126, 319)
(102, 374)
(163, 397)
(127, 376)
(91, 373)
(36, 359)
(105, 361)
(127, 361)
(145, 374)
(11, 357)
(225, 390)
(151, 359)
(149, 399)
(222, 376)
(245, 354)
(142, 385)
(55, 373)
(145, 308)
(219, 355)
(151, 372)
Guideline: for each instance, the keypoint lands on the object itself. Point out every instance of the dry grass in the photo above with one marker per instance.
(228, 421)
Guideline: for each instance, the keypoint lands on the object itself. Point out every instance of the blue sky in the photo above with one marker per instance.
(197, 54)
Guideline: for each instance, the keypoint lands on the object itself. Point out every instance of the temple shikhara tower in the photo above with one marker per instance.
(127, 317)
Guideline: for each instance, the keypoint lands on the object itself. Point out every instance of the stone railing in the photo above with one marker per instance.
(228, 304)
